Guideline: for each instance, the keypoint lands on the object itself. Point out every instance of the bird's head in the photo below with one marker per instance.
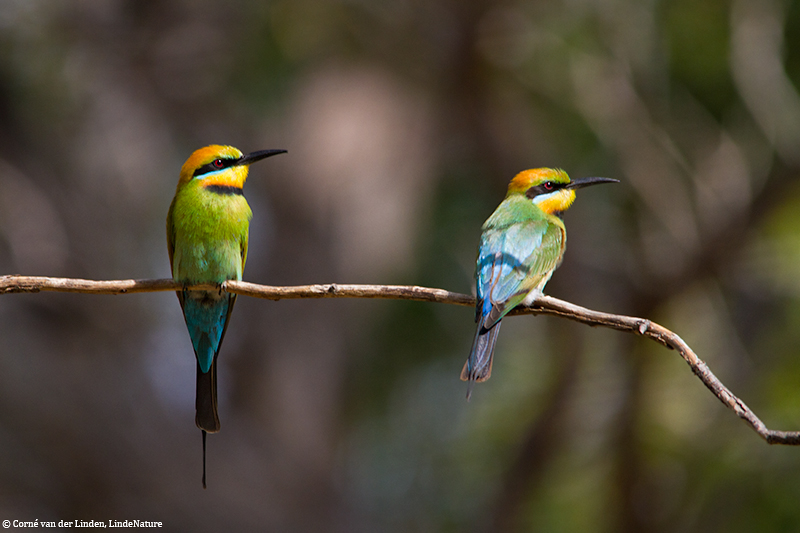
(550, 189)
(220, 166)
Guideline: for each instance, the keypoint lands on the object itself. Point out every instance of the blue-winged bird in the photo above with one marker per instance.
(521, 244)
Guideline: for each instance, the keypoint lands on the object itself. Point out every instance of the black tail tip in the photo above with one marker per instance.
(204, 459)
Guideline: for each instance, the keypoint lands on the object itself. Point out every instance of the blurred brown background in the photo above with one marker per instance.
(404, 121)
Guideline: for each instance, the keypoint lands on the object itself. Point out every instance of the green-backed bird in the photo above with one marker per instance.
(521, 244)
(207, 233)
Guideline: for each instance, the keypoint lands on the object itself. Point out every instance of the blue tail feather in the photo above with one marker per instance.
(206, 315)
(479, 364)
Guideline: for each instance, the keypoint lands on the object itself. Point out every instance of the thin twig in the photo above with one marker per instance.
(545, 305)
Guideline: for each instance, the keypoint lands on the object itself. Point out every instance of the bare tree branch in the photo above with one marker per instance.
(545, 305)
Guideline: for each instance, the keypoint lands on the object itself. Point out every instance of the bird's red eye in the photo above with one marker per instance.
(548, 185)
(218, 163)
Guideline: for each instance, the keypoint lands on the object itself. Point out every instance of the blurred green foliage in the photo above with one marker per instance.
(404, 122)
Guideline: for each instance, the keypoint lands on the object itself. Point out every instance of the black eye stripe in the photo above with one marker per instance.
(544, 188)
(215, 165)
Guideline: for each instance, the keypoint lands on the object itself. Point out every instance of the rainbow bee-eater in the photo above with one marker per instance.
(207, 233)
(521, 245)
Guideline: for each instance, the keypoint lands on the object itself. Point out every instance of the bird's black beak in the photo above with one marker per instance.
(585, 182)
(252, 157)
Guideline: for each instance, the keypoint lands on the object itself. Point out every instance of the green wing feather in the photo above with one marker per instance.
(515, 260)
